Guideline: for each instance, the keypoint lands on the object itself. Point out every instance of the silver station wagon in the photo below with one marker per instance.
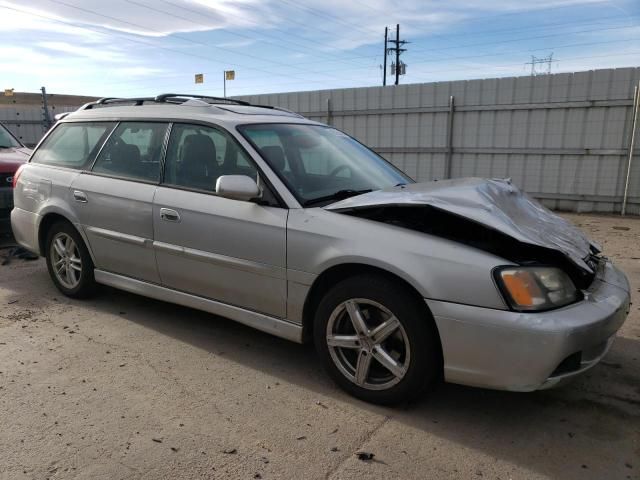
(294, 228)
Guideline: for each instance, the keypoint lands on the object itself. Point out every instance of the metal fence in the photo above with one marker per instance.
(564, 138)
(26, 121)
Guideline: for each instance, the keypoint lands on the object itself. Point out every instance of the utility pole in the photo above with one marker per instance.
(384, 68)
(397, 53)
(397, 67)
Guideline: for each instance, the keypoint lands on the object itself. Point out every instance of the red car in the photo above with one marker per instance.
(12, 155)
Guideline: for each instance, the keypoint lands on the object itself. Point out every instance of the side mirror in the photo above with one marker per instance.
(238, 187)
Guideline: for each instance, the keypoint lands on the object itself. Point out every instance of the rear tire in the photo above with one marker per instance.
(377, 340)
(68, 261)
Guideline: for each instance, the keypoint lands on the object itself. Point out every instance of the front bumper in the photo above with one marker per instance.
(528, 351)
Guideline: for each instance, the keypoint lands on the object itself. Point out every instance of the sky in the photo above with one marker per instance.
(129, 48)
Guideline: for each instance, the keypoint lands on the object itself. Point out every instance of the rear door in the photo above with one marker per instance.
(115, 200)
(228, 250)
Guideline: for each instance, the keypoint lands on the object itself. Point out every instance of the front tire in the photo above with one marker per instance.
(377, 340)
(68, 261)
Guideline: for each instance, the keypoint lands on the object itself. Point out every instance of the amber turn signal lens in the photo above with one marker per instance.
(522, 287)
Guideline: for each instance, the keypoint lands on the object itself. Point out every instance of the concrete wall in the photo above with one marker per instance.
(563, 138)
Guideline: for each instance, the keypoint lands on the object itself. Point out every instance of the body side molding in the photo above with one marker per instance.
(275, 326)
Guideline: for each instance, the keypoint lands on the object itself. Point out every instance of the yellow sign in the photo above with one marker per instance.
(199, 77)
(230, 75)
(8, 92)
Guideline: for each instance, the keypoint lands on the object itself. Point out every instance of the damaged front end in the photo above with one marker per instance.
(490, 215)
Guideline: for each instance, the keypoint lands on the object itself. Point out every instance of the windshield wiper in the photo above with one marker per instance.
(6, 146)
(339, 195)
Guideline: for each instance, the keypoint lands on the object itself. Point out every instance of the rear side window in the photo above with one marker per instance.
(133, 151)
(72, 145)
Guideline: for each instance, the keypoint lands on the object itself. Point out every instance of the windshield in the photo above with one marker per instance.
(321, 164)
(7, 140)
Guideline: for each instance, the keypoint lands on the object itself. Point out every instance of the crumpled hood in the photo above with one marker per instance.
(494, 203)
(12, 158)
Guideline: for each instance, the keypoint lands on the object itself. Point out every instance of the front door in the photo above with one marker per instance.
(228, 250)
(115, 200)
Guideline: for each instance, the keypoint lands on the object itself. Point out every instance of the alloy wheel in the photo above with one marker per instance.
(65, 260)
(368, 344)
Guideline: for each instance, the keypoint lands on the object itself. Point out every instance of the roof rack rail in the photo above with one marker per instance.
(163, 98)
(137, 100)
(177, 98)
(108, 100)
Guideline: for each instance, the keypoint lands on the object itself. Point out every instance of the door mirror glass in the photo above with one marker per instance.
(237, 187)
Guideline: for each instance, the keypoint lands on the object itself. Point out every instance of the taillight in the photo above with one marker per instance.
(16, 175)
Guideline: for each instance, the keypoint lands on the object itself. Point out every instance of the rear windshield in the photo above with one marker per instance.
(72, 145)
(7, 140)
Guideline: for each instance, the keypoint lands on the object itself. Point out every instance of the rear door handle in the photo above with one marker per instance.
(169, 215)
(80, 196)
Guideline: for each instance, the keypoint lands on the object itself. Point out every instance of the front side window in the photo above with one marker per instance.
(198, 155)
(133, 151)
(321, 164)
(7, 140)
(72, 145)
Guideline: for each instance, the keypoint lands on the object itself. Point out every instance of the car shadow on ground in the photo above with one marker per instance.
(547, 432)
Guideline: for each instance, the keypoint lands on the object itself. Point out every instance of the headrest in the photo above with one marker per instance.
(199, 148)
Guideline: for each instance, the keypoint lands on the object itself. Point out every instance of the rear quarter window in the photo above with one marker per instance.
(72, 145)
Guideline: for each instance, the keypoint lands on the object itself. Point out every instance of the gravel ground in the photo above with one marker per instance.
(125, 387)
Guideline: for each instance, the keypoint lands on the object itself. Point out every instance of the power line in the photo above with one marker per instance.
(155, 46)
(503, 42)
(269, 72)
(299, 63)
(333, 18)
(553, 47)
(521, 39)
(545, 26)
(421, 78)
(288, 45)
(138, 26)
(483, 55)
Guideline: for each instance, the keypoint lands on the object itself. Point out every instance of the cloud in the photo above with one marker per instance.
(148, 18)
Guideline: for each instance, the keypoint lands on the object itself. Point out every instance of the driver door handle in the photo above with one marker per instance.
(169, 215)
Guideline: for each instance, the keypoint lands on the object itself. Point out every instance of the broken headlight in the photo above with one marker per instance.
(536, 288)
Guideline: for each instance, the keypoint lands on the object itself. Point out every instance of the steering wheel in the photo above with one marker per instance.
(339, 168)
